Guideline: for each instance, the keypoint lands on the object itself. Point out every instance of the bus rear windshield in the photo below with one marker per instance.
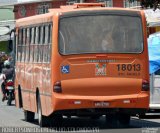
(100, 34)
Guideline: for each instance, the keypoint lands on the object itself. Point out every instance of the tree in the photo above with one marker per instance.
(150, 3)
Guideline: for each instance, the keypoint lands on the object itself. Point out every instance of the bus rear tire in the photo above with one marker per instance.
(111, 121)
(142, 116)
(124, 120)
(95, 117)
(29, 116)
(43, 121)
(56, 120)
(118, 120)
(20, 97)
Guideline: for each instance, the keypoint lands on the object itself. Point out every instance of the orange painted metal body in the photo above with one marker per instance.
(81, 88)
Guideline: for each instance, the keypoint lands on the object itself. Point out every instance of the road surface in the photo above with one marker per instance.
(10, 116)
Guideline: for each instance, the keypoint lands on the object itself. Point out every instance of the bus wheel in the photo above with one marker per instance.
(124, 120)
(118, 120)
(112, 120)
(95, 117)
(29, 116)
(56, 120)
(42, 120)
(141, 116)
(20, 97)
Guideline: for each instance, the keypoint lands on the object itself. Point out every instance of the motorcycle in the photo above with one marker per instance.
(9, 86)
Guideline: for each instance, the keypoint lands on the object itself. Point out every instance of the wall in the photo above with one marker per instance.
(8, 11)
(118, 3)
(157, 28)
(25, 10)
(89, 1)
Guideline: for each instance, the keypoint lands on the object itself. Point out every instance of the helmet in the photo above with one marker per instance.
(6, 63)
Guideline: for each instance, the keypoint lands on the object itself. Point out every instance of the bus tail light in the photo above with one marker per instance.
(57, 87)
(145, 85)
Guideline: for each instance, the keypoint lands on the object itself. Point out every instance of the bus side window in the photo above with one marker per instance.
(32, 44)
(50, 42)
(46, 52)
(46, 34)
(30, 38)
(36, 35)
(19, 46)
(36, 47)
(27, 45)
(24, 44)
(42, 35)
(45, 46)
(16, 42)
(40, 45)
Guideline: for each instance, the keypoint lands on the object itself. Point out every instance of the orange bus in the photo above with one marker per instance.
(82, 60)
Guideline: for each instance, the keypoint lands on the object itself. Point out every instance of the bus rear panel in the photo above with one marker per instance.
(103, 61)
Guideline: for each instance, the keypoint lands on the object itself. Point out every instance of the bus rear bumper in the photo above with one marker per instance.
(101, 111)
(133, 104)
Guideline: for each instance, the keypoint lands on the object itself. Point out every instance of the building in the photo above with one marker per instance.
(25, 8)
(7, 23)
(111, 3)
(36, 7)
(29, 9)
(15, 9)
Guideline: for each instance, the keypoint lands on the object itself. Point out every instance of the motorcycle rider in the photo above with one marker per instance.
(8, 73)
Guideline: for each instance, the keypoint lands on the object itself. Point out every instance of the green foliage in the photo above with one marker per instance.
(4, 47)
(150, 3)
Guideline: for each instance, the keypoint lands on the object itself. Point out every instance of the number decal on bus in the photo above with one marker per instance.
(129, 67)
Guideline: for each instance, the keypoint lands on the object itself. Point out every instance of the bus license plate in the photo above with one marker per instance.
(9, 87)
(101, 104)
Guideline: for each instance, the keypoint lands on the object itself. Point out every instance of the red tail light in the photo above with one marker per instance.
(145, 85)
(10, 83)
(57, 87)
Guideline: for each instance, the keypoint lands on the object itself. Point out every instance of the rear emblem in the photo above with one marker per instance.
(100, 69)
(65, 69)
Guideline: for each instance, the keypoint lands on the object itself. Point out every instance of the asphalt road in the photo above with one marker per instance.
(10, 116)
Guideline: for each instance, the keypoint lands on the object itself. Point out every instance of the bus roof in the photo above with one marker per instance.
(43, 18)
(68, 9)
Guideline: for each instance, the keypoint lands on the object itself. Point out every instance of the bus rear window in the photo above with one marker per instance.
(100, 34)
